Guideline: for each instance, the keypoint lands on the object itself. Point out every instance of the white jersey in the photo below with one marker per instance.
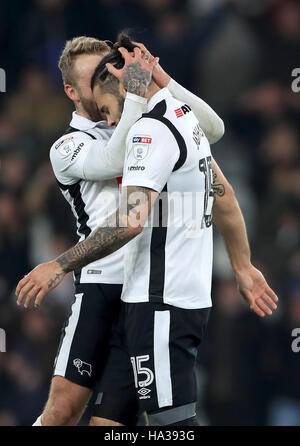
(171, 260)
(77, 164)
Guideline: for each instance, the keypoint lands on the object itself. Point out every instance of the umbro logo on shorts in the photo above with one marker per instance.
(144, 393)
(83, 367)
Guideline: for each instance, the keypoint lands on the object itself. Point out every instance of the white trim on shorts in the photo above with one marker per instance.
(64, 352)
(162, 366)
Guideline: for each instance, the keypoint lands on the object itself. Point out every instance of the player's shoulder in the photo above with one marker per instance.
(176, 109)
(65, 146)
(149, 132)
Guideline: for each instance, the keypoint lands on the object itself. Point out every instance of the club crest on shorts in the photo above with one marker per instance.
(83, 367)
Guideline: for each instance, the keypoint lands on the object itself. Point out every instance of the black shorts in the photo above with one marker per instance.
(84, 344)
(162, 342)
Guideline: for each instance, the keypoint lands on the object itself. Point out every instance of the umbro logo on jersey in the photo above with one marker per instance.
(77, 151)
(179, 112)
(136, 168)
(142, 139)
(82, 367)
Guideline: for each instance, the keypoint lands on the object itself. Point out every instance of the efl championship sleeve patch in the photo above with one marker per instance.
(141, 146)
(66, 146)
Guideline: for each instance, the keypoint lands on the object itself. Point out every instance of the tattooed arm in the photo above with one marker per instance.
(136, 204)
(230, 222)
(123, 226)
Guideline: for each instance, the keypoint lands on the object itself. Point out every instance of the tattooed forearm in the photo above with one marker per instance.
(118, 230)
(218, 189)
(136, 79)
(102, 242)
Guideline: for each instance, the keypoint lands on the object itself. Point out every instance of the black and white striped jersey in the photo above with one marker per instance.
(91, 188)
(171, 260)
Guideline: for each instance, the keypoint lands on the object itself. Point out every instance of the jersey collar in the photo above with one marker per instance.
(81, 123)
(158, 97)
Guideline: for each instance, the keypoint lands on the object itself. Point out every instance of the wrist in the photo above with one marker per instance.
(240, 267)
(135, 98)
(60, 266)
(161, 78)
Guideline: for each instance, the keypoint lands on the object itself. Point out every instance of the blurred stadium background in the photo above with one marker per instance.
(238, 56)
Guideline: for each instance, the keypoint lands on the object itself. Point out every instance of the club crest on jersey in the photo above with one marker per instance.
(141, 146)
(179, 112)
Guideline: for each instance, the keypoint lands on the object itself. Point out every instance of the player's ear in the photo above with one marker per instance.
(122, 90)
(71, 92)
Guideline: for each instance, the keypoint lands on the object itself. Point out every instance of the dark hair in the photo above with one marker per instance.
(114, 57)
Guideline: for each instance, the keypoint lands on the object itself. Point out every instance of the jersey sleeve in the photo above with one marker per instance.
(151, 154)
(77, 156)
(210, 122)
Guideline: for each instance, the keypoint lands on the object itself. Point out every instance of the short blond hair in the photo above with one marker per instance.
(76, 47)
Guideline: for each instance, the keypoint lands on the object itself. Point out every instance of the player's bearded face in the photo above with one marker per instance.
(83, 70)
(90, 107)
(110, 105)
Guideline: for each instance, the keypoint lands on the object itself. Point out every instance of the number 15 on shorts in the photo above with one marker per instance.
(147, 375)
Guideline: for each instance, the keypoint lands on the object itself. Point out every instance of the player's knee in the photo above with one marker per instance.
(97, 421)
(184, 415)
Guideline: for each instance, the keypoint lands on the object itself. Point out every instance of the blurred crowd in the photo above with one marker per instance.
(238, 55)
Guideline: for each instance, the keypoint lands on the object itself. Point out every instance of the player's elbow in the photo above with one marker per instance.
(229, 190)
(221, 129)
(218, 131)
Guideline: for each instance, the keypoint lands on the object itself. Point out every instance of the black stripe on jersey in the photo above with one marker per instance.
(158, 113)
(72, 129)
(157, 254)
(82, 216)
(75, 192)
(159, 234)
(79, 205)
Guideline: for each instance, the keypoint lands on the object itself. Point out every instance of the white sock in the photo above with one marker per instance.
(38, 421)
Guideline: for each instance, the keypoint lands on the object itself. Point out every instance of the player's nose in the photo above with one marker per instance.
(111, 122)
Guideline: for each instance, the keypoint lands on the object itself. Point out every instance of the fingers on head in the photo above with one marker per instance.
(141, 46)
(124, 53)
(137, 52)
(154, 61)
(111, 68)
